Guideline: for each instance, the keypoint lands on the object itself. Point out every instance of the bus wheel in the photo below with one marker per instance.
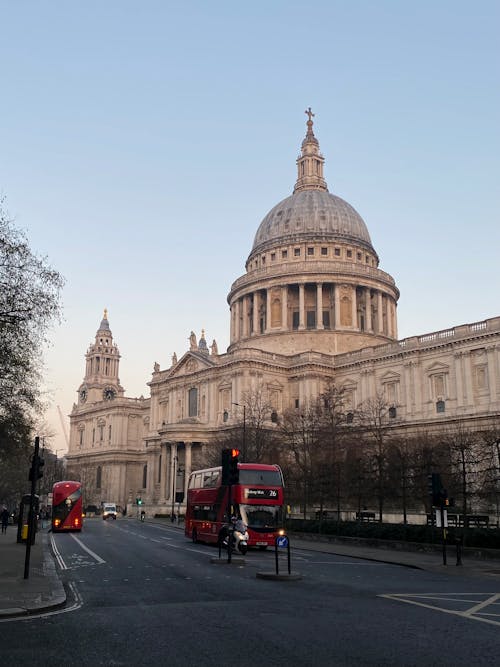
(194, 536)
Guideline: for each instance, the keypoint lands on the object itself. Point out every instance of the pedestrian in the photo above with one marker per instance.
(5, 519)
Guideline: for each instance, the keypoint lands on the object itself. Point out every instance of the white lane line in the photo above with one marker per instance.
(484, 603)
(57, 554)
(462, 614)
(89, 551)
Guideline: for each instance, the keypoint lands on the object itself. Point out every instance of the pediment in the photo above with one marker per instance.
(191, 362)
(390, 376)
(437, 367)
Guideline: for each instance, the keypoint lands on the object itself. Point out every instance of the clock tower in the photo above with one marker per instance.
(101, 381)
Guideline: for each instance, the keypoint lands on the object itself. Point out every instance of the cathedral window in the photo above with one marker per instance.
(326, 319)
(97, 364)
(81, 436)
(337, 252)
(273, 256)
(159, 469)
(98, 477)
(284, 254)
(93, 436)
(310, 251)
(144, 476)
(359, 256)
(440, 406)
(349, 253)
(295, 319)
(101, 433)
(109, 433)
(296, 252)
(193, 402)
(311, 319)
(324, 251)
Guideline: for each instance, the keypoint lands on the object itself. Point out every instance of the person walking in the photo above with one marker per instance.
(5, 519)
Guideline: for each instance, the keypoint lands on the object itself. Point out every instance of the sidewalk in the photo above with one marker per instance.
(42, 591)
(425, 559)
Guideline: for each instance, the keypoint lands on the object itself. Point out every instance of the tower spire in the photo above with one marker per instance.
(310, 162)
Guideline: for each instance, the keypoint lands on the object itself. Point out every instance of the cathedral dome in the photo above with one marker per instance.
(309, 214)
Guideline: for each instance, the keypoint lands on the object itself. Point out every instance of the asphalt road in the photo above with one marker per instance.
(141, 594)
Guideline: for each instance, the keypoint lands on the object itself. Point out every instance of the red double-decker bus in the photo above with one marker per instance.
(67, 506)
(258, 498)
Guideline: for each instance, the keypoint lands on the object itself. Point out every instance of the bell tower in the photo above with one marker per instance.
(101, 381)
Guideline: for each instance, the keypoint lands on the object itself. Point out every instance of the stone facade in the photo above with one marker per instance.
(312, 306)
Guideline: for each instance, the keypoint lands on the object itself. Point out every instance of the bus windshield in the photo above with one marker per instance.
(262, 517)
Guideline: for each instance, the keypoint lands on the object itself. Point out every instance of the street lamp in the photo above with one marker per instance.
(243, 448)
(174, 486)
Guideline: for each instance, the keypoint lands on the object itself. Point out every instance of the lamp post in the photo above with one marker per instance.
(243, 448)
(174, 485)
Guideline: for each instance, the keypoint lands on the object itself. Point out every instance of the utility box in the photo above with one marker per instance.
(24, 511)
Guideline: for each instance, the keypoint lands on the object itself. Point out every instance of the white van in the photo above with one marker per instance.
(109, 511)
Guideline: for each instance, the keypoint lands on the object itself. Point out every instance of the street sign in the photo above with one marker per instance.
(282, 541)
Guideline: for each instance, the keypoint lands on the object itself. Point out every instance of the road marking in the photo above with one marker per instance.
(64, 610)
(471, 613)
(89, 551)
(57, 554)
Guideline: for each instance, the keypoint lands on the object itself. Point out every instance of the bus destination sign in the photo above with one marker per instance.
(261, 493)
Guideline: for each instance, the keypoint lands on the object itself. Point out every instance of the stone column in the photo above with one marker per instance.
(284, 308)
(245, 316)
(301, 307)
(368, 310)
(188, 446)
(268, 310)
(380, 313)
(336, 324)
(256, 313)
(355, 323)
(172, 464)
(459, 385)
(164, 476)
(319, 306)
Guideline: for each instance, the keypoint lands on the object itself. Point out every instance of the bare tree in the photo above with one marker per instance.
(302, 455)
(373, 416)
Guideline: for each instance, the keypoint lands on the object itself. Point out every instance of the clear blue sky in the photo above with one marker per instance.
(142, 143)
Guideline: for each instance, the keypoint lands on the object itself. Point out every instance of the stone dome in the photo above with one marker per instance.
(312, 214)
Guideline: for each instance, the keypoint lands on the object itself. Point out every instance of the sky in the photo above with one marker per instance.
(143, 142)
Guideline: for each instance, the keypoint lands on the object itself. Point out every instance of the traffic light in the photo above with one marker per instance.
(234, 473)
(36, 470)
(436, 490)
(138, 501)
(230, 472)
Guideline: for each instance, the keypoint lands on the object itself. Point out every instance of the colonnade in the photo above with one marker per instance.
(301, 306)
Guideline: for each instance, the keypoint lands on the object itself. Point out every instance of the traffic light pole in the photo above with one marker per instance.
(31, 522)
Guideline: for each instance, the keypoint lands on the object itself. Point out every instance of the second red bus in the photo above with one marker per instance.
(67, 507)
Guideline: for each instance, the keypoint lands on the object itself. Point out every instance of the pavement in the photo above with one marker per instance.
(43, 590)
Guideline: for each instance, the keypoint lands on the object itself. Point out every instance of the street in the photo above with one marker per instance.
(142, 594)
